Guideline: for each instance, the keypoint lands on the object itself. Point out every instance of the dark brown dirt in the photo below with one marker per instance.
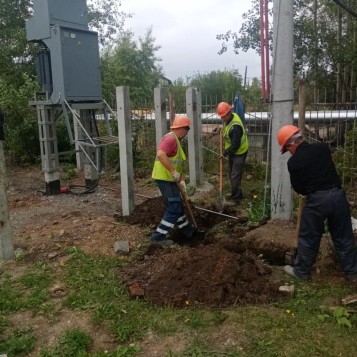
(236, 264)
(208, 270)
(232, 263)
(208, 275)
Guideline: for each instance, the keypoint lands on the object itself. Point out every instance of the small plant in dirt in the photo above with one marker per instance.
(340, 315)
(71, 344)
(68, 172)
(258, 207)
(37, 284)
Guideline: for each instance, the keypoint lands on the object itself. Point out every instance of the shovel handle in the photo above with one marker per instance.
(220, 162)
(300, 210)
(188, 207)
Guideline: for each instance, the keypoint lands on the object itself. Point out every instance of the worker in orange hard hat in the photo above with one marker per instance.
(313, 174)
(235, 148)
(168, 172)
(286, 134)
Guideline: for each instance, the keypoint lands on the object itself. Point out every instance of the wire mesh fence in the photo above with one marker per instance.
(331, 123)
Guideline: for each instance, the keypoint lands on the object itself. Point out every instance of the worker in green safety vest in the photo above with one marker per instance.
(168, 174)
(235, 148)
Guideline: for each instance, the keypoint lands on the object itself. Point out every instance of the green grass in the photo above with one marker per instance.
(296, 327)
(18, 342)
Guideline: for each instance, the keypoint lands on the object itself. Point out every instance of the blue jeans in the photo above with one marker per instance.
(174, 212)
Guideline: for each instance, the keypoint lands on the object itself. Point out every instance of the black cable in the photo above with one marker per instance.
(345, 7)
(88, 189)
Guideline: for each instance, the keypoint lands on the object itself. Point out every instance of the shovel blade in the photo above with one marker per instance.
(220, 203)
(290, 257)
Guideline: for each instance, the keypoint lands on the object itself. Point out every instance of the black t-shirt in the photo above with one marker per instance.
(312, 169)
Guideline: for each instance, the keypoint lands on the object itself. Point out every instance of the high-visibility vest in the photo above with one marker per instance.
(160, 172)
(243, 148)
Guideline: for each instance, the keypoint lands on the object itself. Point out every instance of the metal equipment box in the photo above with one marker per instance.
(68, 61)
(75, 64)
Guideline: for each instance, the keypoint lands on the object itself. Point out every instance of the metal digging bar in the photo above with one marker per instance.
(217, 213)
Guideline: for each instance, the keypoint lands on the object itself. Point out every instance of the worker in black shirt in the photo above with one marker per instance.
(235, 148)
(313, 174)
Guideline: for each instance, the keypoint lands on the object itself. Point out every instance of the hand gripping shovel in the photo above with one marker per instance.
(187, 205)
(221, 200)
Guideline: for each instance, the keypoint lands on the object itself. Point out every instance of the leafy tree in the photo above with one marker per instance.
(248, 36)
(325, 43)
(17, 83)
(15, 54)
(252, 97)
(20, 121)
(133, 64)
(218, 86)
(106, 18)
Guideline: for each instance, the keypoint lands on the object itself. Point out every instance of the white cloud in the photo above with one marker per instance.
(186, 31)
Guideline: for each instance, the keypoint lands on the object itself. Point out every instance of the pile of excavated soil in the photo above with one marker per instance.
(207, 275)
(211, 270)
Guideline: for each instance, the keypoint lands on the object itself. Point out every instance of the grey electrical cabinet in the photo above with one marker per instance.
(68, 64)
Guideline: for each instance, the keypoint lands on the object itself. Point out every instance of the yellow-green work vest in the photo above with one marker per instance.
(160, 172)
(243, 148)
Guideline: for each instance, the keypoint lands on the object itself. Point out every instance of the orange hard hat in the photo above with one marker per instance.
(223, 109)
(180, 122)
(284, 134)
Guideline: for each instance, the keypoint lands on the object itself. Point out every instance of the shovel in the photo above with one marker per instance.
(290, 256)
(221, 200)
(187, 205)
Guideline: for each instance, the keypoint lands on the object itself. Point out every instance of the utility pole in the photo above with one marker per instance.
(6, 245)
(283, 101)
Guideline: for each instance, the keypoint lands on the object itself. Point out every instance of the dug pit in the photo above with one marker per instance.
(233, 263)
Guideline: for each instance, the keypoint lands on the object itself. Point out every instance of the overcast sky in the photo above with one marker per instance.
(186, 31)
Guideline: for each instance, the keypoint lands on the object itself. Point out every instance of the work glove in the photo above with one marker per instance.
(226, 153)
(183, 186)
(175, 175)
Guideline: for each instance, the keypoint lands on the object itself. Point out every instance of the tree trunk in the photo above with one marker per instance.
(6, 245)
(338, 74)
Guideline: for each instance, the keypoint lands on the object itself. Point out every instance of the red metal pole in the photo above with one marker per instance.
(267, 64)
(262, 49)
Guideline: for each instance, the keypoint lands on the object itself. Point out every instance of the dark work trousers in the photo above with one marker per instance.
(319, 206)
(174, 212)
(236, 166)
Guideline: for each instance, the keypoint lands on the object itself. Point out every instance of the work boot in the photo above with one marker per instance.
(231, 203)
(288, 269)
